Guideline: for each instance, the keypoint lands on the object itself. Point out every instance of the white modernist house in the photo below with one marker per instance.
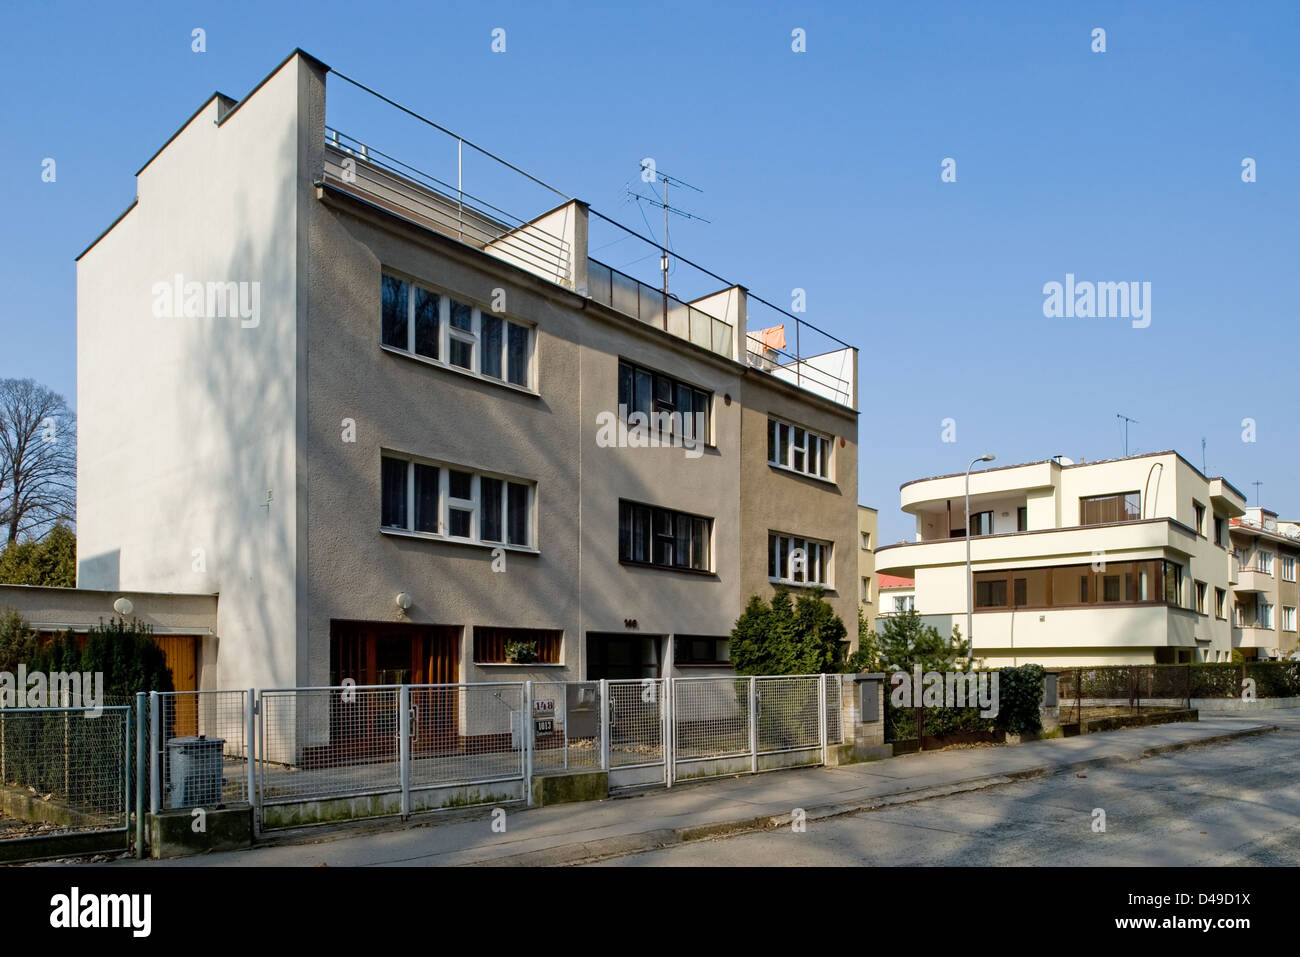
(1125, 561)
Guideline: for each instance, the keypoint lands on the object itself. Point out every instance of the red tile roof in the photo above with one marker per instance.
(895, 581)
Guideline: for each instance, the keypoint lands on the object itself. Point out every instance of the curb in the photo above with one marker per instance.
(602, 849)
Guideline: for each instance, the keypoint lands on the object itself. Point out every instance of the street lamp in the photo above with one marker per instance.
(970, 601)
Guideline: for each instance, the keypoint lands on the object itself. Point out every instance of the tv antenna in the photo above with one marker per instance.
(1203, 470)
(1127, 420)
(1257, 485)
(667, 181)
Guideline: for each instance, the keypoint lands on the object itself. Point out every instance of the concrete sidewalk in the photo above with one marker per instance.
(570, 833)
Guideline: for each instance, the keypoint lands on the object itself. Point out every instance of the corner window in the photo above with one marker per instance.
(798, 449)
(455, 503)
(437, 327)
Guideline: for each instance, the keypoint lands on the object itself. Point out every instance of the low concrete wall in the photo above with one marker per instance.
(173, 834)
(363, 806)
(1236, 704)
(570, 788)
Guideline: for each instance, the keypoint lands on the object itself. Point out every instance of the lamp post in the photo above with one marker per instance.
(970, 601)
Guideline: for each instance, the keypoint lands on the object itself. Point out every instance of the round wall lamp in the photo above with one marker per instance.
(403, 600)
(123, 606)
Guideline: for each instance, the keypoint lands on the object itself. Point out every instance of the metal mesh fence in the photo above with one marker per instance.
(1096, 693)
(788, 717)
(711, 717)
(328, 742)
(565, 723)
(636, 727)
(203, 748)
(834, 710)
(69, 767)
(463, 734)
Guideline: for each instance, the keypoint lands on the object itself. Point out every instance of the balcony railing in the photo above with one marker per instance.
(609, 287)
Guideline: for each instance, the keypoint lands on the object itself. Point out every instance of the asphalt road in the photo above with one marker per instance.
(1235, 803)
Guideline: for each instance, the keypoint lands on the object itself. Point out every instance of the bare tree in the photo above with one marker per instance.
(38, 459)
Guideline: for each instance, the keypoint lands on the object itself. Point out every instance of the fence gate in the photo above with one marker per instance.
(638, 717)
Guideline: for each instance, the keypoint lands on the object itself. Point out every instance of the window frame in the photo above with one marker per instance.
(777, 449)
(1288, 562)
(473, 337)
(446, 502)
(632, 510)
(1121, 500)
(670, 406)
(781, 560)
(1288, 616)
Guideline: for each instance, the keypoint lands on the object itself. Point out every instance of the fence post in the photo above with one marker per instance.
(155, 754)
(141, 737)
(1078, 697)
(564, 725)
(668, 724)
(250, 728)
(604, 724)
(127, 774)
(404, 746)
(825, 731)
(753, 724)
(526, 737)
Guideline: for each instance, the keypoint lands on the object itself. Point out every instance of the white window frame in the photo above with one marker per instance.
(773, 422)
(1264, 615)
(1288, 568)
(904, 603)
(1266, 562)
(473, 504)
(472, 336)
(866, 590)
(1288, 618)
(784, 576)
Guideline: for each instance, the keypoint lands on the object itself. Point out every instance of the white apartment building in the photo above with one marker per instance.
(1124, 561)
(1265, 554)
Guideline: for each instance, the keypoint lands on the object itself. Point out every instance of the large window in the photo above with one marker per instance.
(1119, 583)
(455, 503)
(1288, 568)
(441, 329)
(661, 537)
(538, 645)
(670, 407)
(1110, 509)
(792, 560)
(798, 449)
(701, 650)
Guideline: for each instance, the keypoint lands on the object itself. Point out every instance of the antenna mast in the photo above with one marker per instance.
(1127, 420)
(667, 181)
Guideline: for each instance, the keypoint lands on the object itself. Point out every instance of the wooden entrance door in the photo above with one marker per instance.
(181, 655)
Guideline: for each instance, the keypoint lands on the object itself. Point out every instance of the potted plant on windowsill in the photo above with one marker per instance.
(521, 652)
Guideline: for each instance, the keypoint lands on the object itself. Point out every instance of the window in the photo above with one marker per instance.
(1110, 509)
(701, 650)
(1202, 591)
(903, 603)
(981, 523)
(1220, 532)
(1173, 584)
(664, 405)
(798, 561)
(866, 591)
(490, 644)
(1220, 600)
(433, 326)
(798, 449)
(866, 541)
(661, 537)
(1288, 568)
(1022, 518)
(455, 503)
(1265, 617)
(991, 593)
(1198, 517)
(1288, 618)
(1021, 590)
(1266, 562)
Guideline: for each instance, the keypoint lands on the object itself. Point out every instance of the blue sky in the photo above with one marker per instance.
(820, 170)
